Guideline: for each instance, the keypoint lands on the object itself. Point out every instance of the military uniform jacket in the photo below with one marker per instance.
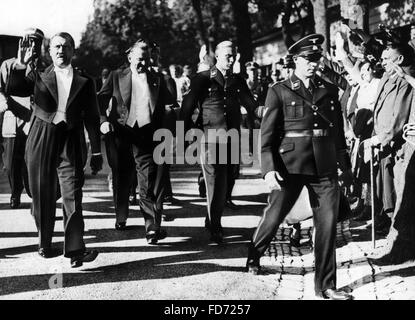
(289, 108)
(219, 101)
(18, 109)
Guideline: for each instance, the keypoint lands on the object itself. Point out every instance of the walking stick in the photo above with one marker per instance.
(372, 195)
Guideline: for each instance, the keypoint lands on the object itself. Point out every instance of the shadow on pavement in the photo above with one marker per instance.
(405, 272)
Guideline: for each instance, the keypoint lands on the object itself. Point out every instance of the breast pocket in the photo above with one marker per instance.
(294, 110)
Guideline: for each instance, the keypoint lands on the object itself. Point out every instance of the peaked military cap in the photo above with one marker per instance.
(309, 45)
(34, 33)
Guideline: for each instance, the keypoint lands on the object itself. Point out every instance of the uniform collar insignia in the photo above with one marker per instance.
(213, 73)
(295, 85)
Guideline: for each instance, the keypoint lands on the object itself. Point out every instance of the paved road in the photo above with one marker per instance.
(185, 265)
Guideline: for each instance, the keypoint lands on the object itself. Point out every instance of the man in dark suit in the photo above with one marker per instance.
(391, 112)
(303, 144)
(15, 122)
(64, 100)
(219, 94)
(139, 96)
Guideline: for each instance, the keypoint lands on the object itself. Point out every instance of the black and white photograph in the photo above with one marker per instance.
(207, 155)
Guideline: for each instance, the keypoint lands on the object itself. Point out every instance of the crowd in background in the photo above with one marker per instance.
(376, 82)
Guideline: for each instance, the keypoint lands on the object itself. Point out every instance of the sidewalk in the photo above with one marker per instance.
(185, 265)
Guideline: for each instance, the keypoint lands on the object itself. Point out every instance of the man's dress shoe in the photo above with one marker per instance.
(387, 259)
(253, 267)
(333, 294)
(87, 256)
(120, 226)
(45, 252)
(14, 202)
(154, 236)
(229, 203)
(254, 270)
(171, 199)
(167, 217)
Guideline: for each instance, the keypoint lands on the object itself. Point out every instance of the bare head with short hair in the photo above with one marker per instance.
(62, 48)
(139, 55)
(225, 55)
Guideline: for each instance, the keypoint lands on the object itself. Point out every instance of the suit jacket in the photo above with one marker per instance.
(171, 86)
(118, 88)
(288, 107)
(391, 111)
(218, 100)
(82, 106)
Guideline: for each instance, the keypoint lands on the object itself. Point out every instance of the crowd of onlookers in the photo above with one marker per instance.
(375, 77)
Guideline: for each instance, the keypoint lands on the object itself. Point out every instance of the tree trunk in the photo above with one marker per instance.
(202, 29)
(243, 30)
(288, 39)
(320, 18)
(310, 15)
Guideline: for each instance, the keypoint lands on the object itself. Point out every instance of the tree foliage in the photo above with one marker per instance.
(400, 12)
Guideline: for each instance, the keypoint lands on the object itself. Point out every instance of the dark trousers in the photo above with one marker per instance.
(385, 188)
(121, 161)
(54, 152)
(162, 185)
(134, 150)
(14, 163)
(219, 180)
(324, 196)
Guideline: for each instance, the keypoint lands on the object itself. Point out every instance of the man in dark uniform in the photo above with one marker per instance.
(218, 94)
(15, 122)
(303, 144)
(257, 84)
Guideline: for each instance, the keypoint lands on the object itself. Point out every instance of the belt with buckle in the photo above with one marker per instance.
(307, 133)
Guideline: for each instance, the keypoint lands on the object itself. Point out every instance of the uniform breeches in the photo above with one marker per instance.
(55, 154)
(14, 163)
(324, 194)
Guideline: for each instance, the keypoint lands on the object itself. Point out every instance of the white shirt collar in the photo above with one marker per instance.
(135, 73)
(66, 70)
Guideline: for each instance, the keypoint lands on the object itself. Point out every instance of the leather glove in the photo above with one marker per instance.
(96, 163)
(273, 179)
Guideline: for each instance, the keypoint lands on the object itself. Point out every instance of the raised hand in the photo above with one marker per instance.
(398, 70)
(25, 51)
(203, 52)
